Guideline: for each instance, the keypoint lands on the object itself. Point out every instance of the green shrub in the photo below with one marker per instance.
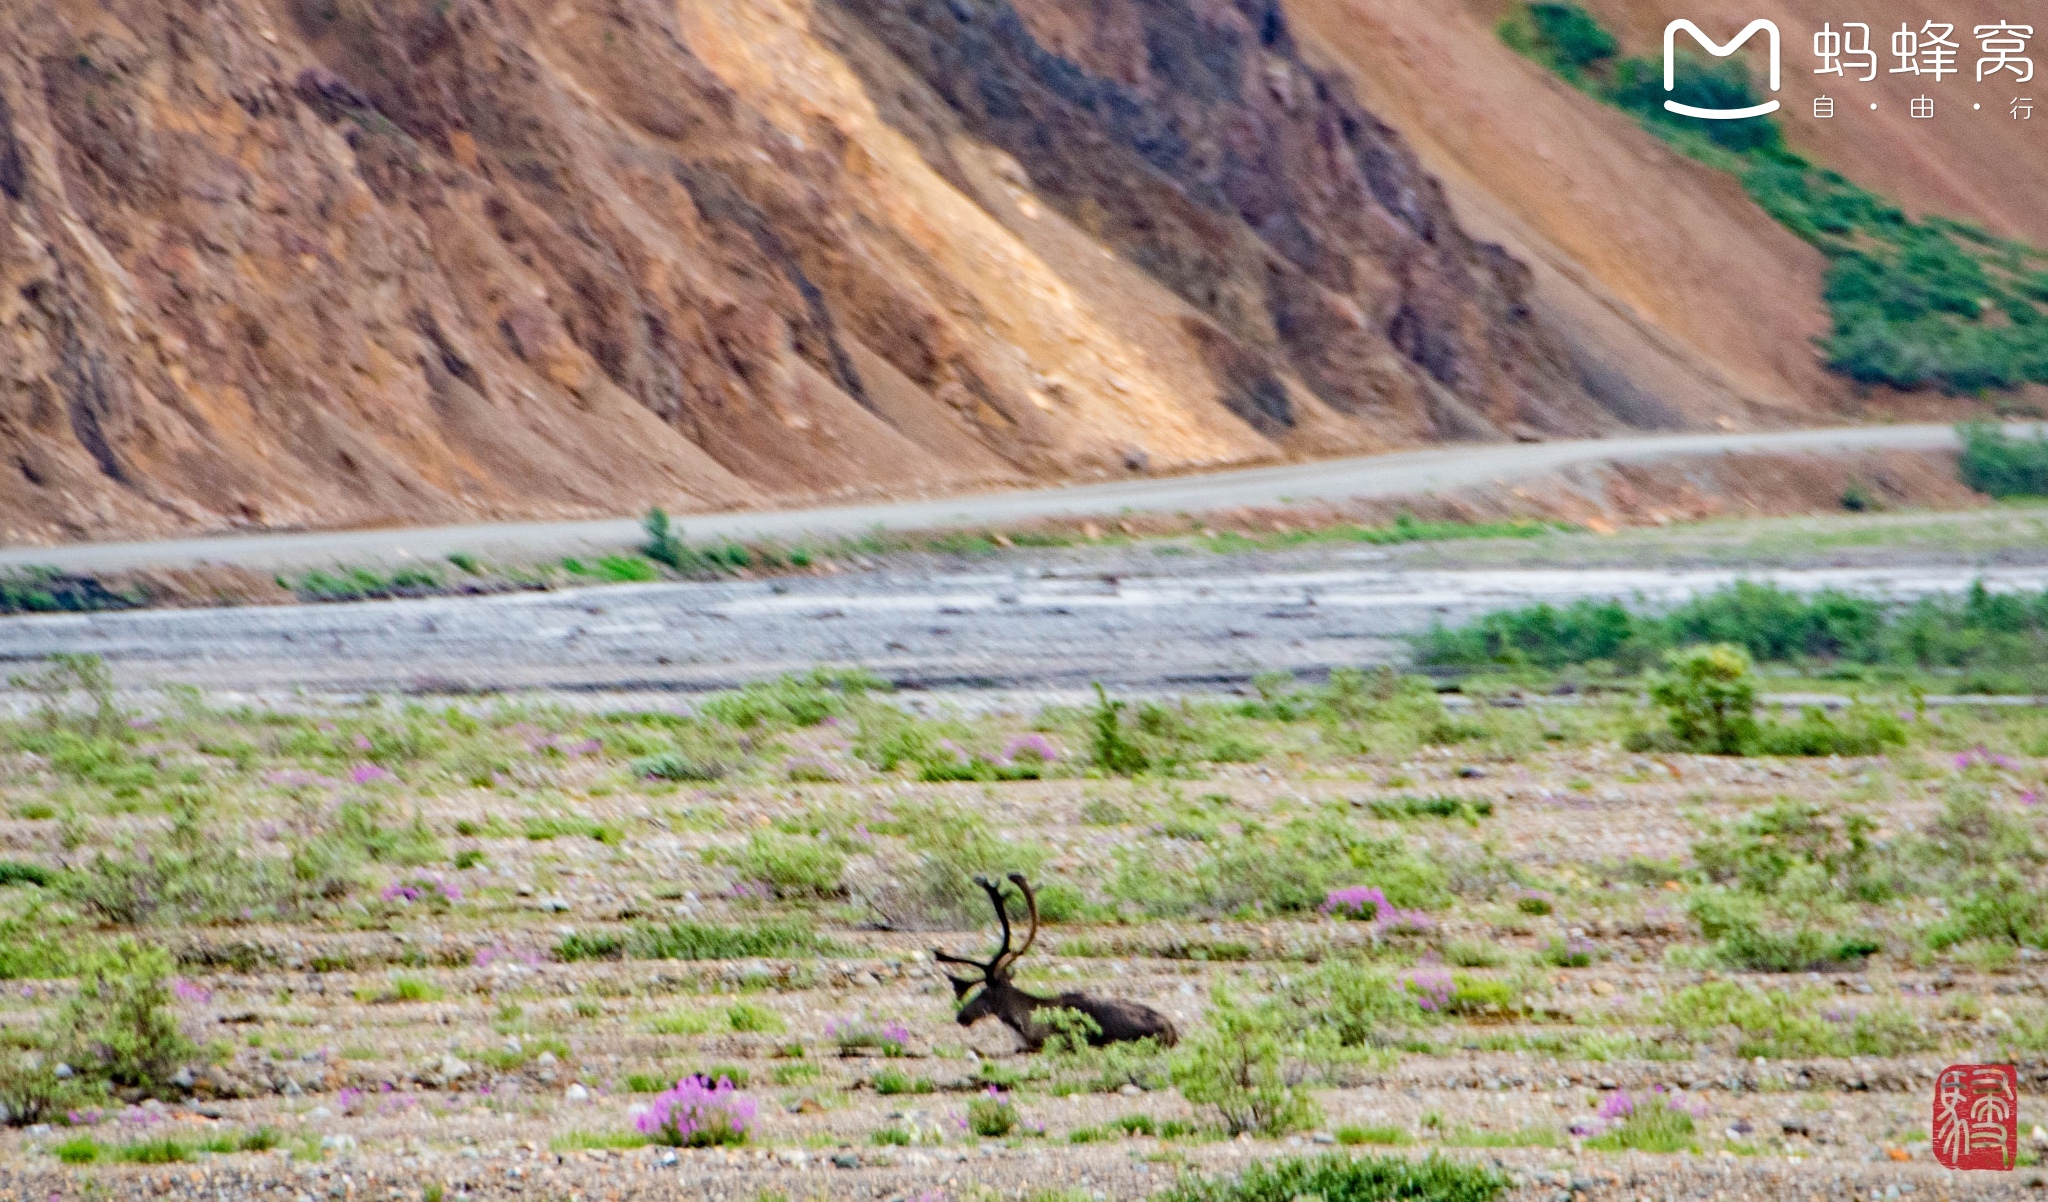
(1347, 1179)
(991, 1116)
(1570, 35)
(31, 1091)
(1286, 871)
(1862, 731)
(952, 845)
(1112, 748)
(119, 1026)
(1766, 845)
(1249, 1064)
(1709, 699)
(1746, 938)
(45, 590)
(791, 702)
(1783, 1023)
(792, 867)
(1997, 464)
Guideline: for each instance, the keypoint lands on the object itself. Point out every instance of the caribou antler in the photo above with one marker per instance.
(990, 967)
(1031, 901)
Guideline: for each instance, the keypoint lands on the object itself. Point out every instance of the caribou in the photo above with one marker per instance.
(1115, 1021)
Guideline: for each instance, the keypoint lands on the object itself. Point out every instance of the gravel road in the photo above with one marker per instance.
(1380, 476)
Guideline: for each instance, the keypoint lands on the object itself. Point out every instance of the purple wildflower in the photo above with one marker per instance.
(698, 1113)
(368, 774)
(1616, 1106)
(1036, 748)
(363, 743)
(1368, 903)
(1432, 988)
(190, 991)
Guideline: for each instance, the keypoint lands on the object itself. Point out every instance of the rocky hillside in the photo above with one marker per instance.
(339, 262)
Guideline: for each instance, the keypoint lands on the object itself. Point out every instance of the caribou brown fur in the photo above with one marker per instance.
(1115, 1021)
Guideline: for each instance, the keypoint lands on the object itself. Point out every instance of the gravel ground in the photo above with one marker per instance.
(371, 1081)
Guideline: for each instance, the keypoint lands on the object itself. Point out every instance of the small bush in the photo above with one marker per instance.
(791, 866)
(991, 1116)
(1114, 751)
(119, 1026)
(1999, 465)
(748, 1018)
(1249, 1064)
(1709, 699)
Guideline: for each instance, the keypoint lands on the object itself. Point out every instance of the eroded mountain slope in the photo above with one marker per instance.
(339, 262)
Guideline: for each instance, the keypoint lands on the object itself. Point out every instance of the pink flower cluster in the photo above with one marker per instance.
(891, 1037)
(1980, 756)
(699, 1113)
(1618, 1107)
(190, 991)
(1431, 987)
(496, 954)
(1036, 748)
(1368, 903)
(369, 774)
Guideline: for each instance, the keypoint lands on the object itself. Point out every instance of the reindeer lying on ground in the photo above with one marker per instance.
(1115, 1021)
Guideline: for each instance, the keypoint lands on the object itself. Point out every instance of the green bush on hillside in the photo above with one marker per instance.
(1997, 464)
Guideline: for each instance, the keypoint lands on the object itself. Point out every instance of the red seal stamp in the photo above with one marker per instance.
(1977, 1116)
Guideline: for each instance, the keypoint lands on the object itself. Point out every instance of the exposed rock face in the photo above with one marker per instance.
(355, 261)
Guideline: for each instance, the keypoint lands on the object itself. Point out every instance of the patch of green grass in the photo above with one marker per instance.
(1650, 1126)
(696, 941)
(585, 1141)
(401, 988)
(891, 1080)
(1382, 1135)
(1525, 1137)
(554, 826)
(1439, 806)
(749, 1018)
(1346, 1179)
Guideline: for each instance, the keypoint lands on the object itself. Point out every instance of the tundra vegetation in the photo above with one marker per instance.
(1460, 920)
